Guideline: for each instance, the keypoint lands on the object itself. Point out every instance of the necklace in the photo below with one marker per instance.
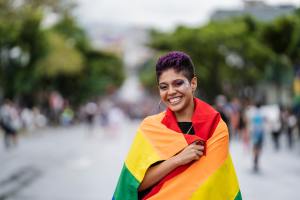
(189, 129)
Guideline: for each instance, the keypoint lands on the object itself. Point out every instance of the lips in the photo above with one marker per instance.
(174, 100)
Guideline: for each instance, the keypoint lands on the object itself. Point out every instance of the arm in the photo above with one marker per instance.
(156, 173)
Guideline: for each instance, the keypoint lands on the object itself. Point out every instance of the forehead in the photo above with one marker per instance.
(169, 75)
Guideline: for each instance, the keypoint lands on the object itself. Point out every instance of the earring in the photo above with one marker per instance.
(159, 105)
(156, 109)
(193, 92)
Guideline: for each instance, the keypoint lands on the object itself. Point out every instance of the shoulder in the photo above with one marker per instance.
(204, 108)
(154, 118)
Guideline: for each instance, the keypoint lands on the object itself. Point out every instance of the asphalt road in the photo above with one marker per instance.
(74, 163)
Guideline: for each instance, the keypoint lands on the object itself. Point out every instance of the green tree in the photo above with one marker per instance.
(104, 71)
(62, 58)
(22, 43)
(34, 60)
(228, 55)
(283, 36)
(70, 29)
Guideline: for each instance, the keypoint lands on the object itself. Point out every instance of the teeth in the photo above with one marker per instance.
(174, 100)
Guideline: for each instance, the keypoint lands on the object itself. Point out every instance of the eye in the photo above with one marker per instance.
(178, 83)
(163, 87)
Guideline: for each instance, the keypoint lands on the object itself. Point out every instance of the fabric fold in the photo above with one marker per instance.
(211, 177)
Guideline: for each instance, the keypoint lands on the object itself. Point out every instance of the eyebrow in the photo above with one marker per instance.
(162, 83)
(172, 81)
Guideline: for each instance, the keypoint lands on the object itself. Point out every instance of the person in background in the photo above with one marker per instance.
(291, 125)
(90, 112)
(10, 123)
(235, 117)
(277, 126)
(242, 130)
(257, 134)
(220, 106)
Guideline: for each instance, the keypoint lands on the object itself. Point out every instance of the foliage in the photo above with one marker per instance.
(69, 28)
(147, 74)
(62, 58)
(104, 72)
(36, 60)
(232, 54)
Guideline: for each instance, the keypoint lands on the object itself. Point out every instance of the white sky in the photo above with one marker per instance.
(163, 14)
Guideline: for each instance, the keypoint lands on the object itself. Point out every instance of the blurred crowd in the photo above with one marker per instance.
(108, 113)
(249, 122)
(14, 119)
(278, 120)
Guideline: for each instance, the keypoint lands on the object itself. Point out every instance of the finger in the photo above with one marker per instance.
(200, 142)
(194, 151)
(199, 147)
(196, 157)
(196, 142)
(193, 145)
(200, 153)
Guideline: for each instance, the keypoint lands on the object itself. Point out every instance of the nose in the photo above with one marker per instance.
(171, 90)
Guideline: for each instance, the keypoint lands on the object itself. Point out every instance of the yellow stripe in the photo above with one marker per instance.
(140, 156)
(223, 184)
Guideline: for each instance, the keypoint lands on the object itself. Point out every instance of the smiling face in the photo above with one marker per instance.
(176, 91)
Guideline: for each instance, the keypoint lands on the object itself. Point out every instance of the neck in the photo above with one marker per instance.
(186, 114)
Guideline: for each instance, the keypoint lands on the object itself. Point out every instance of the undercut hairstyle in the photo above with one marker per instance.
(177, 60)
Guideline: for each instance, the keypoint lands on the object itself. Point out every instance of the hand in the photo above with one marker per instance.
(192, 152)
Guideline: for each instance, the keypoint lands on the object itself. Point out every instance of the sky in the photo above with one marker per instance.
(164, 14)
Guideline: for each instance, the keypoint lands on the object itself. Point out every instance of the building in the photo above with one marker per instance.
(257, 9)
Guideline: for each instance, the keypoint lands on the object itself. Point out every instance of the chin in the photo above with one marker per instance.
(176, 108)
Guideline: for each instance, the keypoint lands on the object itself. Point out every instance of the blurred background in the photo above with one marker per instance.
(77, 77)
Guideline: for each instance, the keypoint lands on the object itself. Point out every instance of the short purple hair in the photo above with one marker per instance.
(177, 60)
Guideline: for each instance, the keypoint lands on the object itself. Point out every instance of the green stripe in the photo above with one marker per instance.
(127, 186)
(238, 196)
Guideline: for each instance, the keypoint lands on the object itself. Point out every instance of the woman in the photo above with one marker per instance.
(181, 153)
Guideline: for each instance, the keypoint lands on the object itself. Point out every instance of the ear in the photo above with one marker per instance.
(194, 83)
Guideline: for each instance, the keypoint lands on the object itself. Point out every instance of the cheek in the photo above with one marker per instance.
(188, 93)
(185, 90)
(162, 95)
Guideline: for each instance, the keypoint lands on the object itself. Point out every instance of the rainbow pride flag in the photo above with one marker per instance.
(158, 138)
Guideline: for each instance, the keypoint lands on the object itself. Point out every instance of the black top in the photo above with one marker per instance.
(185, 127)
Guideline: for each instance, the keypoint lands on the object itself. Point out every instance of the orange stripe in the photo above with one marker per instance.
(198, 172)
(159, 136)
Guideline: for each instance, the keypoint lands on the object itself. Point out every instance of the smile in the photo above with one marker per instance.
(174, 100)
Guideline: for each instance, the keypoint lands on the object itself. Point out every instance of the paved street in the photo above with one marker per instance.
(75, 164)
